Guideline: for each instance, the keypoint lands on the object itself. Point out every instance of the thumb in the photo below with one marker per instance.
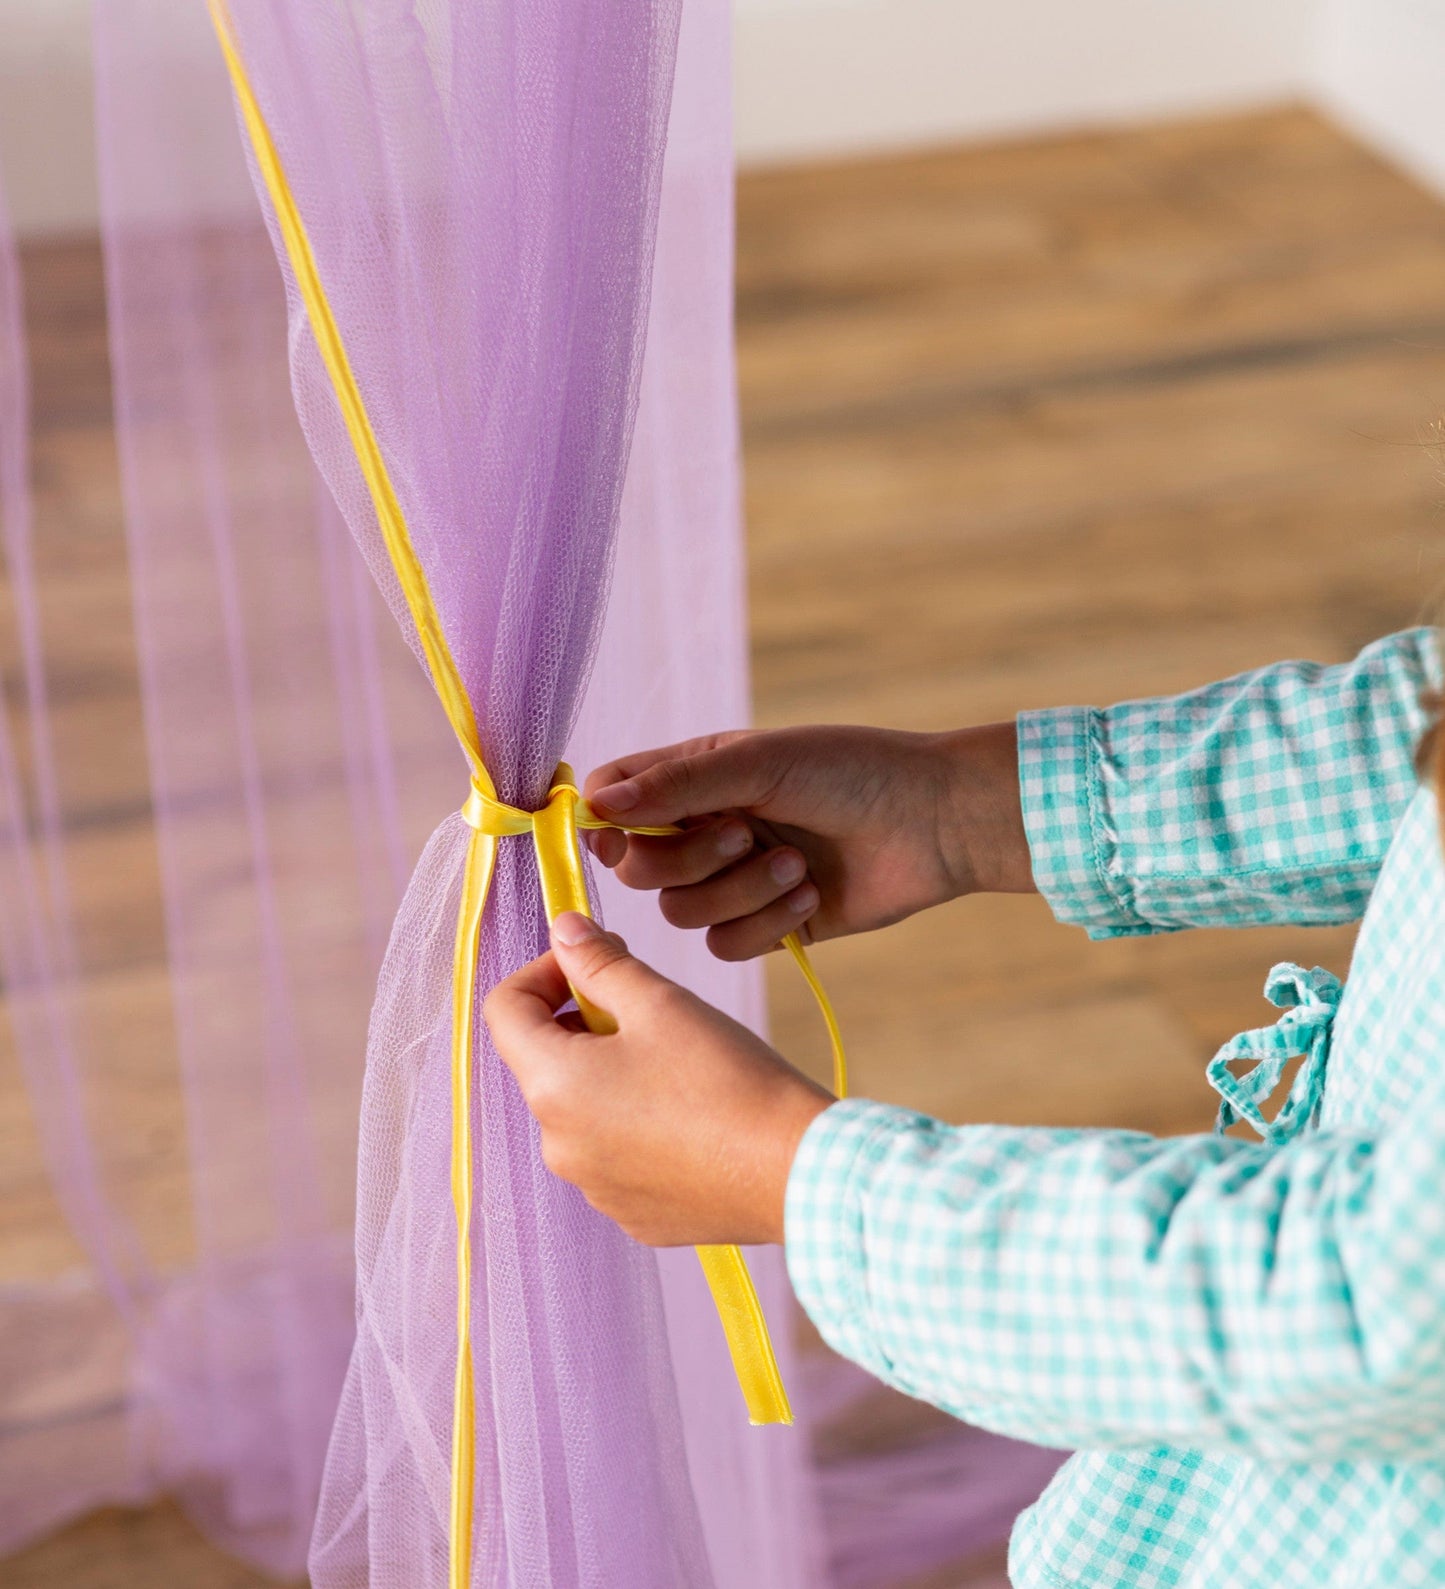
(598, 964)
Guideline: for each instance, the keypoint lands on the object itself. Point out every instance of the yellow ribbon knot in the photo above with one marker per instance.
(554, 829)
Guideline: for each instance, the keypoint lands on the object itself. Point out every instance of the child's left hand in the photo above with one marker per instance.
(682, 1125)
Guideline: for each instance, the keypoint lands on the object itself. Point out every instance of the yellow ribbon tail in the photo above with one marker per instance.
(746, 1329)
(794, 945)
(564, 887)
(476, 882)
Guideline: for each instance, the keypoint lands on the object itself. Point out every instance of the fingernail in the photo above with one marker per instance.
(572, 928)
(804, 899)
(616, 797)
(787, 867)
(734, 839)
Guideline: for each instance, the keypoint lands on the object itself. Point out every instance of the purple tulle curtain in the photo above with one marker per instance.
(68, 1310)
(481, 188)
(522, 214)
(293, 752)
(673, 662)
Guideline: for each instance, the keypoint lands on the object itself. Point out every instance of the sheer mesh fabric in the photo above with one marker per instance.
(279, 704)
(64, 1315)
(521, 211)
(487, 254)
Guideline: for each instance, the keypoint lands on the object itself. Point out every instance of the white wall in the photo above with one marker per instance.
(1380, 67)
(47, 131)
(819, 77)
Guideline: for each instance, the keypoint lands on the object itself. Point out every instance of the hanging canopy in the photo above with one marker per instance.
(519, 213)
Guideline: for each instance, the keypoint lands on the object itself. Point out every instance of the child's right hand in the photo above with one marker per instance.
(820, 830)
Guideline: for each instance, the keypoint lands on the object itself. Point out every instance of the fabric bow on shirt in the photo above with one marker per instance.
(1309, 1000)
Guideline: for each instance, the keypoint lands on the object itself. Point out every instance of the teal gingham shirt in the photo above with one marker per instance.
(1244, 1341)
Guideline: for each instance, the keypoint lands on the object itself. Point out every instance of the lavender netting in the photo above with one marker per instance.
(521, 212)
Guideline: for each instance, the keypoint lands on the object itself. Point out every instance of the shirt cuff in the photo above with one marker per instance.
(823, 1218)
(1065, 820)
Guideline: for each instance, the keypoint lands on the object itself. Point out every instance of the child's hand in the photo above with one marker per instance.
(682, 1125)
(824, 830)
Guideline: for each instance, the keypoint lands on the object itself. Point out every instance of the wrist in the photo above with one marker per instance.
(982, 841)
(803, 1109)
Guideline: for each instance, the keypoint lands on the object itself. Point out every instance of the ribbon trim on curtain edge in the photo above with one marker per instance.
(554, 831)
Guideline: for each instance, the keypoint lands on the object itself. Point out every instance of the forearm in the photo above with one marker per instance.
(1109, 1289)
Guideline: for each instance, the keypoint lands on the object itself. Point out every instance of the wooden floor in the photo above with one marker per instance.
(1058, 421)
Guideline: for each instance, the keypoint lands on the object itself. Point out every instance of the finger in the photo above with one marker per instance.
(599, 966)
(684, 858)
(757, 934)
(738, 774)
(607, 844)
(520, 1010)
(639, 760)
(743, 890)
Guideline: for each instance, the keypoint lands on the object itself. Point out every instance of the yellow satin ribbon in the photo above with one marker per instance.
(554, 834)
(564, 887)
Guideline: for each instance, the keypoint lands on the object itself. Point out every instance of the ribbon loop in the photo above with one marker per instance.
(1309, 1000)
(486, 814)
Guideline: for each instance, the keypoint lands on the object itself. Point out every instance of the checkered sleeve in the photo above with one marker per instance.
(1269, 797)
(1108, 1289)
